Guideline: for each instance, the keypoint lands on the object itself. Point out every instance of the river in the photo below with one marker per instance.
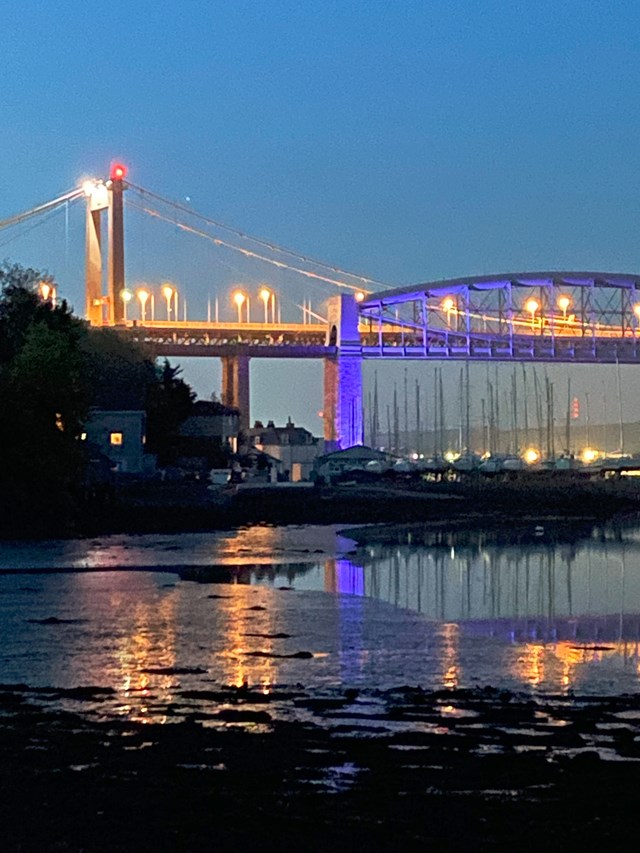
(306, 605)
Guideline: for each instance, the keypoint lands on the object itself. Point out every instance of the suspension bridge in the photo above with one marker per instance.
(561, 317)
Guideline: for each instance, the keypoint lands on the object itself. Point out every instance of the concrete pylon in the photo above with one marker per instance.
(343, 416)
(93, 265)
(105, 196)
(116, 250)
(235, 386)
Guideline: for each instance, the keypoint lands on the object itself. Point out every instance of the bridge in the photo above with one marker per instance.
(561, 317)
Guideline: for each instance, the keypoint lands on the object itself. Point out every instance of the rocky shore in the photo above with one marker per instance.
(397, 770)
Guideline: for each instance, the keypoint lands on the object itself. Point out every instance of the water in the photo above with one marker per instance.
(464, 609)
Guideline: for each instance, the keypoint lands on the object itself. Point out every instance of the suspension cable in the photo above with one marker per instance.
(272, 246)
(248, 253)
(41, 208)
(17, 235)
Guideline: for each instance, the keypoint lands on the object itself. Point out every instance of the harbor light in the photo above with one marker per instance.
(531, 456)
(589, 455)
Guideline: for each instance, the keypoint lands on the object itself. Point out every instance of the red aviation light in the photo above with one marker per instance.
(118, 172)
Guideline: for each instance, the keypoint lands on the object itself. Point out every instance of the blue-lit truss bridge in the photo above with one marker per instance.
(542, 316)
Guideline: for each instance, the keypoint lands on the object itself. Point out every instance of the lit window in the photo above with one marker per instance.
(115, 438)
(83, 436)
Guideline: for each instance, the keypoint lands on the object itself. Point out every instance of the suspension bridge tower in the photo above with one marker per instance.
(105, 307)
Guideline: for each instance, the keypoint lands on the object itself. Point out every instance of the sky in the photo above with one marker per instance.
(411, 142)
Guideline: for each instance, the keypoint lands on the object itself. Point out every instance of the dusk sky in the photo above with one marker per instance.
(409, 141)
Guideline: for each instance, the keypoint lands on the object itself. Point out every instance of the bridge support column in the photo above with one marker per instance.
(235, 386)
(115, 270)
(343, 416)
(93, 265)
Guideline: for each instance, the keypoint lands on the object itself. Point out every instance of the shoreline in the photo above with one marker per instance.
(154, 507)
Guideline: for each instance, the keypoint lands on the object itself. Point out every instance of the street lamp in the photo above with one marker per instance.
(447, 305)
(267, 296)
(532, 305)
(636, 311)
(563, 304)
(143, 295)
(126, 297)
(240, 298)
(168, 291)
(360, 296)
(45, 290)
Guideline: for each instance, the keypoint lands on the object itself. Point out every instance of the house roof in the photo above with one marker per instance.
(356, 452)
(210, 409)
(272, 434)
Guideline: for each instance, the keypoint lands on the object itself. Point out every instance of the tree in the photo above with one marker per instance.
(169, 401)
(45, 396)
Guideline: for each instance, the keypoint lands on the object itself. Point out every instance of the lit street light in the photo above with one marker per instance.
(447, 305)
(267, 296)
(563, 304)
(532, 305)
(126, 297)
(168, 291)
(240, 298)
(143, 295)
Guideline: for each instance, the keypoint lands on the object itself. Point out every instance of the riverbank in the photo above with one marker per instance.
(149, 506)
(401, 769)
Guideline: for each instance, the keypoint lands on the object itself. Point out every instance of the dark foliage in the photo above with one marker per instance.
(53, 369)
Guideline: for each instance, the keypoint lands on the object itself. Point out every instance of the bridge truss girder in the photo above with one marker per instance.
(568, 317)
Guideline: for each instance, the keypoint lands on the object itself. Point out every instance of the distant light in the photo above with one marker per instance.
(451, 456)
(531, 456)
(265, 294)
(447, 304)
(531, 305)
(589, 455)
(88, 187)
(126, 295)
(118, 172)
(360, 296)
(321, 414)
(45, 290)
(167, 291)
(239, 298)
(636, 310)
(563, 303)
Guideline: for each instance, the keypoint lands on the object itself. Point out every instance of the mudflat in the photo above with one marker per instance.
(393, 770)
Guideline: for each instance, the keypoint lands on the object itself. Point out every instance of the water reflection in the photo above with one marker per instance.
(545, 591)
(562, 608)
(452, 610)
